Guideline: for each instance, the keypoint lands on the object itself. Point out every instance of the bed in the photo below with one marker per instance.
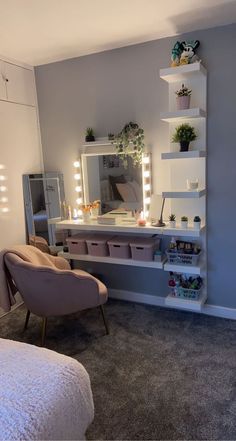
(43, 395)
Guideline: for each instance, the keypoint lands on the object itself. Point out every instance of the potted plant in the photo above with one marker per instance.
(89, 135)
(184, 134)
(111, 136)
(130, 142)
(172, 220)
(184, 222)
(197, 222)
(183, 97)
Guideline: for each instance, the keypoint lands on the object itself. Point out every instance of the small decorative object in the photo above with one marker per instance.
(184, 222)
(111, 136)
(130, 142)
(158, 256)
(172, 219)
(89, 135)
(160, 223)
(184, 134)
(141, 221)
(86, 213)
(183, 97)
(188, 54)
(184, 52)
(176, 54)
(94, 209)
(75, 214)
(192, 184)
(197, 223)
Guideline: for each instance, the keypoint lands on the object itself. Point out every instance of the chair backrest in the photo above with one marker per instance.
(49, 291)
(40, 243)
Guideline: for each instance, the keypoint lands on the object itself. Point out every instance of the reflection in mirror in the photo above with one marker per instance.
(117, 187)
(43, 198)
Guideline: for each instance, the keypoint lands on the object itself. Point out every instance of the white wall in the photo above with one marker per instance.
(20, 152)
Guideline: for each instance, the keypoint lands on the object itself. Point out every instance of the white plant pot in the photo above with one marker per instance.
(184, 225)
(172, 224)
(197, 225)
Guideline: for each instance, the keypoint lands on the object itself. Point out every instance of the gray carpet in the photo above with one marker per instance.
(159, 375)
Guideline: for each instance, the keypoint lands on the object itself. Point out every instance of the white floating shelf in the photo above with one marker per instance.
(179, 115)
(180, 232)
(117, 228)
(98, 142)
(108, 259)
(184, 155)
(180, 73)
(186, 269)
(190, 305)
(184, 194)
(149, 229)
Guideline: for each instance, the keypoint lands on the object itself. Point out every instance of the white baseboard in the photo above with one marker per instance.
(131, 296)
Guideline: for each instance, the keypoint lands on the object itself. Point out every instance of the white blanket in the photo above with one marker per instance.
(43, 395)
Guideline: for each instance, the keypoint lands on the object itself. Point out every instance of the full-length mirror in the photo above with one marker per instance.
(106, 179)
(43, 198)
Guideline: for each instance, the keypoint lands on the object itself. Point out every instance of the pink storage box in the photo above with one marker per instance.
(144, 248)
(97, 245)
(119, 247)
(77, 244)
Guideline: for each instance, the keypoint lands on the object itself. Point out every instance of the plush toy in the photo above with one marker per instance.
(188, 54)
(176, 53)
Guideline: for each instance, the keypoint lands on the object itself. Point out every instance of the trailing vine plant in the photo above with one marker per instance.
(130, 142)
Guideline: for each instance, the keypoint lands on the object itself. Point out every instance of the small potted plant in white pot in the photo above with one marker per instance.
(172, 220)
(184, 222)
(197, 223)
(183, 98)
(184, 134)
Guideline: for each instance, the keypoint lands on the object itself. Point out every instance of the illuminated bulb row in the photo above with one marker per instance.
(78, 188)
(146, 184)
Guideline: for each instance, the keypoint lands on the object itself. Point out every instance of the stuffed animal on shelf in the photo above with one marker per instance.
(184, 52)
(188, 54)
(176, 53)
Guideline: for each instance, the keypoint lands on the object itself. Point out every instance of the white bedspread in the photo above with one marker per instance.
(43, 395)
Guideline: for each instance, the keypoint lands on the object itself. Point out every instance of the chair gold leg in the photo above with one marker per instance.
(104, 319)
(43, 330)
(27, 320)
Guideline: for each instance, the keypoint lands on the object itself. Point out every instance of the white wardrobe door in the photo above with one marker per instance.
(20, 84)
(20, 153)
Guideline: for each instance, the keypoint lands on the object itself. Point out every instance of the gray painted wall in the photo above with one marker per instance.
(108, 89)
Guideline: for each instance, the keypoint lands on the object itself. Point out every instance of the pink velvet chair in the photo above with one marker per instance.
(55, 290)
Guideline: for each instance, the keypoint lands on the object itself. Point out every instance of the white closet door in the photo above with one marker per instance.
(3, 89)
(20, 154)
(20, 84)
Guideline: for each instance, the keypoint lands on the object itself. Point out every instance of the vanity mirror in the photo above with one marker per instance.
(105, 178)
(43, 198)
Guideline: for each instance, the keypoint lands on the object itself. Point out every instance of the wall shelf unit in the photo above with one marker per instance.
(191, 154)
(112, 260)
(185, 269)
(187, 304)
(183, 73)
(179, 115)
(125, 229)
(183, 202)
(184, 194)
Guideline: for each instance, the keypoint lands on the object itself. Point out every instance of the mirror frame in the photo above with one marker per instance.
(101, 148)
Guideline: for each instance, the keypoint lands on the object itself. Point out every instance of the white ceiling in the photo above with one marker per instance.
(43, 31)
